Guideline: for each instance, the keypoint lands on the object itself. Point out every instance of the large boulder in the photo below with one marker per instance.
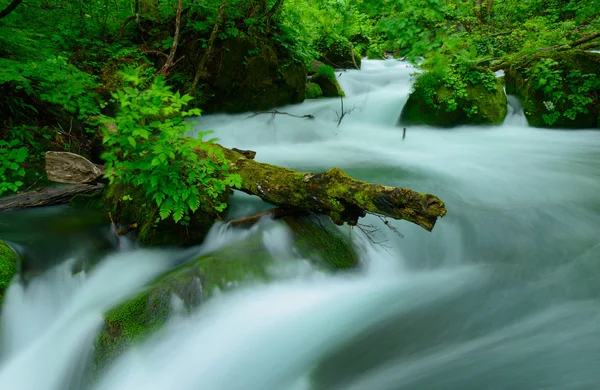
(340, 56)
(433, 102)
(558, 89)
(195, 281)
(245, 73)
(8, 268)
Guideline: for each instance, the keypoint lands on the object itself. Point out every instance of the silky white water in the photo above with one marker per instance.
(504, 294)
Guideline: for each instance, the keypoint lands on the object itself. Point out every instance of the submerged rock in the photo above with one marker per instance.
(434, 103)
(8, 268)
(558, 89)
(240, 262)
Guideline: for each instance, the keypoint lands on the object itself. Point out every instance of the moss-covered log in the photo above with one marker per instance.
(334, 193)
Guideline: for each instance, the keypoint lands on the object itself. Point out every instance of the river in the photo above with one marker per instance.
(503, 294)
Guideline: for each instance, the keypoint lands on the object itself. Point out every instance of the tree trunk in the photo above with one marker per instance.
(10, 8)
(171, 57)
(211, 41)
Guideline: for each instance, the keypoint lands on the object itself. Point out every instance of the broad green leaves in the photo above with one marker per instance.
(149, 150)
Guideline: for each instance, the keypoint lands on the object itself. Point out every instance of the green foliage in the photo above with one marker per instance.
(149, 150)
(560, 85)
(12, 156)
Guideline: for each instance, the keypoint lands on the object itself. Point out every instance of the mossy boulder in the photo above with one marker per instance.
(326, 80)
(195, 281)
(129, 206)
(542, 107)
(244, 73)
(313, 91)
(8, 268)
(340, 56)
(435, 104)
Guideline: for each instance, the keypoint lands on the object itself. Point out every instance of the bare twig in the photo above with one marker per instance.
(275, 112)
(390, 226)
(344, 112)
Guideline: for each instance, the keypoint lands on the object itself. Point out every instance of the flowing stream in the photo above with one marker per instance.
(504, 294)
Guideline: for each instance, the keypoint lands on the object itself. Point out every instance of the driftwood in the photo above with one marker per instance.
(48, 196)
(71, 168)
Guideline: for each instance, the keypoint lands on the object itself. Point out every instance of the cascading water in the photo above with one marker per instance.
(504, 294)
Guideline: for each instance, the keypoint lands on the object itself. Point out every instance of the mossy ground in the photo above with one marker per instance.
(8, 268)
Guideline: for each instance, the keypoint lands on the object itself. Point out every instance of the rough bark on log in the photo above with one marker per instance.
(48, 196)
(334, 193)
(71, 168)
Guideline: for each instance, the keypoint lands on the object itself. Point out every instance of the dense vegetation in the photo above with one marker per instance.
(70, 71)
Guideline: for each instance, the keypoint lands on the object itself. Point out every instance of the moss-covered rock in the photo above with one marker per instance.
(244, 73)
(326, 80)
(313, 91)
(197, 280)
(568, 95)
(8, 268)
(150, 229)
(435, 104)
(340, 56)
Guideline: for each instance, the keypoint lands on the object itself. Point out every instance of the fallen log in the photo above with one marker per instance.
(48, 196)
(332, 193)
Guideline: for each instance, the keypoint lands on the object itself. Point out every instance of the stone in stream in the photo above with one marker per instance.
(8, 268)
(241, 262)
(434, 103)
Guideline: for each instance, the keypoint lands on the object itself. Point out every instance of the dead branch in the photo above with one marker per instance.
(275, 112)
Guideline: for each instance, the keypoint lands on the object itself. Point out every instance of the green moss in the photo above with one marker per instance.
(195, 281)
(313, 91)
(8, 268)
(319, 240)
(329, 85)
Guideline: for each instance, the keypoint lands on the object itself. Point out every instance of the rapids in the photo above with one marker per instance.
(504, 294)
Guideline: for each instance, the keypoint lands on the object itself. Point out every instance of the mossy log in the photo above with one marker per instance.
(334, 193)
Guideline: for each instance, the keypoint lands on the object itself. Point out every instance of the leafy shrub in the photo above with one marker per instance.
(148, 149)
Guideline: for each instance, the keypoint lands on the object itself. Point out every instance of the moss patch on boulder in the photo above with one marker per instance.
(313, 91)
(8, 268)
(326, 80)
(241, 262)
(436, 103)
(558, 89)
